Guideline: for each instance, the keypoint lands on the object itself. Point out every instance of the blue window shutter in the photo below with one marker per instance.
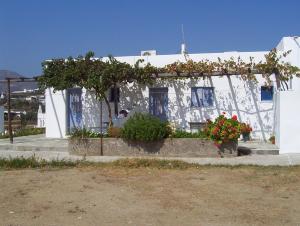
(266, 93)
(202, 97)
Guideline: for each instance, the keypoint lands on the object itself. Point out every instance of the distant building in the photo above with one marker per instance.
(41, 118)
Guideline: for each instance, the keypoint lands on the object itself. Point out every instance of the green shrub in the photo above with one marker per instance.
(184, 134)
(84, 133)
(25, 132)
(33, 162)
(145, 127)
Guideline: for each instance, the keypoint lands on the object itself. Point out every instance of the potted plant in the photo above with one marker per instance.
(272, 139)
(246, 129)
(225, 133)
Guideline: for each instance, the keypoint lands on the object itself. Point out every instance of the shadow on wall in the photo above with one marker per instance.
(240, 98)
(135, 98)
(91, 111)
(264, 123)
(248, 107)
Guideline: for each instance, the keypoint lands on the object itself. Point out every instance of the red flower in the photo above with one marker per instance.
(234, 117)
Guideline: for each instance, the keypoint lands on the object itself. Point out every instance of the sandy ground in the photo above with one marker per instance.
(120, 196)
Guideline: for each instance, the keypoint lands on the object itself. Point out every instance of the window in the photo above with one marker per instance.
(202, 97)
(266, 93)
(112, 96)
(197, 126)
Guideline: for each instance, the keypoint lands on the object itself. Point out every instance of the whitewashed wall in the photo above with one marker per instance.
(232, 95)
(287, 138)
(287, 131)
(55, 114)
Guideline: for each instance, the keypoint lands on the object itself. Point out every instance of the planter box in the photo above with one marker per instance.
(229, 149)
(170, 147)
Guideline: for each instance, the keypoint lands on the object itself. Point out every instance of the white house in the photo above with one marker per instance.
(41, 116)
(189, 103)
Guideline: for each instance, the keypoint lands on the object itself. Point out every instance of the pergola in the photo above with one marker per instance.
(8, 81)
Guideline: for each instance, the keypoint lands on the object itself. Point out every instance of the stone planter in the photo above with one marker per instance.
(170, 147)
(229, 149)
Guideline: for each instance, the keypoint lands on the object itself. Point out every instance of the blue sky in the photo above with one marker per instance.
(34, 30)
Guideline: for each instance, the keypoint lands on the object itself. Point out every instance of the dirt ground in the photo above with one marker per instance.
(122, 196)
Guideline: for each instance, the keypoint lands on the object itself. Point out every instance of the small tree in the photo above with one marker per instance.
(93, 74)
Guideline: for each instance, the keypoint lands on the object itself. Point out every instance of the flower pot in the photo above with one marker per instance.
(246, 137)
(228, 149)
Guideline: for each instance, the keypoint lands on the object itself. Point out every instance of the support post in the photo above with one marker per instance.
(277, 79)
(115, 90)
(101, 129)
(8, 112)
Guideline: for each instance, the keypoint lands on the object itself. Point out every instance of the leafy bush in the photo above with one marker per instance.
(145, 127)
(84, 133)
(184, 134)
(25, 132)
(223, 129)
(33, 162)
(245, 128)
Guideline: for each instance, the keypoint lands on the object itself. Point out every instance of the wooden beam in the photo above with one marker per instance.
(18, 80)
(8, 113)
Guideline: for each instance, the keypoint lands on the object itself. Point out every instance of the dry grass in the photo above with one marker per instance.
(149, 192)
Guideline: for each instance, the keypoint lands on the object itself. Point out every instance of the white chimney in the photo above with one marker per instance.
(183, 50)
(148, 53)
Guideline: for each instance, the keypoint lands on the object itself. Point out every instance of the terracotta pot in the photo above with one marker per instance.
(246, 137)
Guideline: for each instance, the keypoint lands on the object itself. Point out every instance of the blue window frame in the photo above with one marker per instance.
(112, 95)
(158, 102)
(202, 97)
(266, 93)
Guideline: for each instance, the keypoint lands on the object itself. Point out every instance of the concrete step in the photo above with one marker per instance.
(34, 143)
(257, 148)
(33, 148)
(40, 143)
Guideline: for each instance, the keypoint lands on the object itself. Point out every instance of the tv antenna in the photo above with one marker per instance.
(182, 32)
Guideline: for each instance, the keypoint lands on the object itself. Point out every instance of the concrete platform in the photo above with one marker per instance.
(49, 149)
(41, 143)
(35, 143)
(259, 160)
(256, 147)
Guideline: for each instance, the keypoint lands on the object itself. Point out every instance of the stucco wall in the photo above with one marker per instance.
(233, 96)
(288, 138)
(55, 113)
(287, 131)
